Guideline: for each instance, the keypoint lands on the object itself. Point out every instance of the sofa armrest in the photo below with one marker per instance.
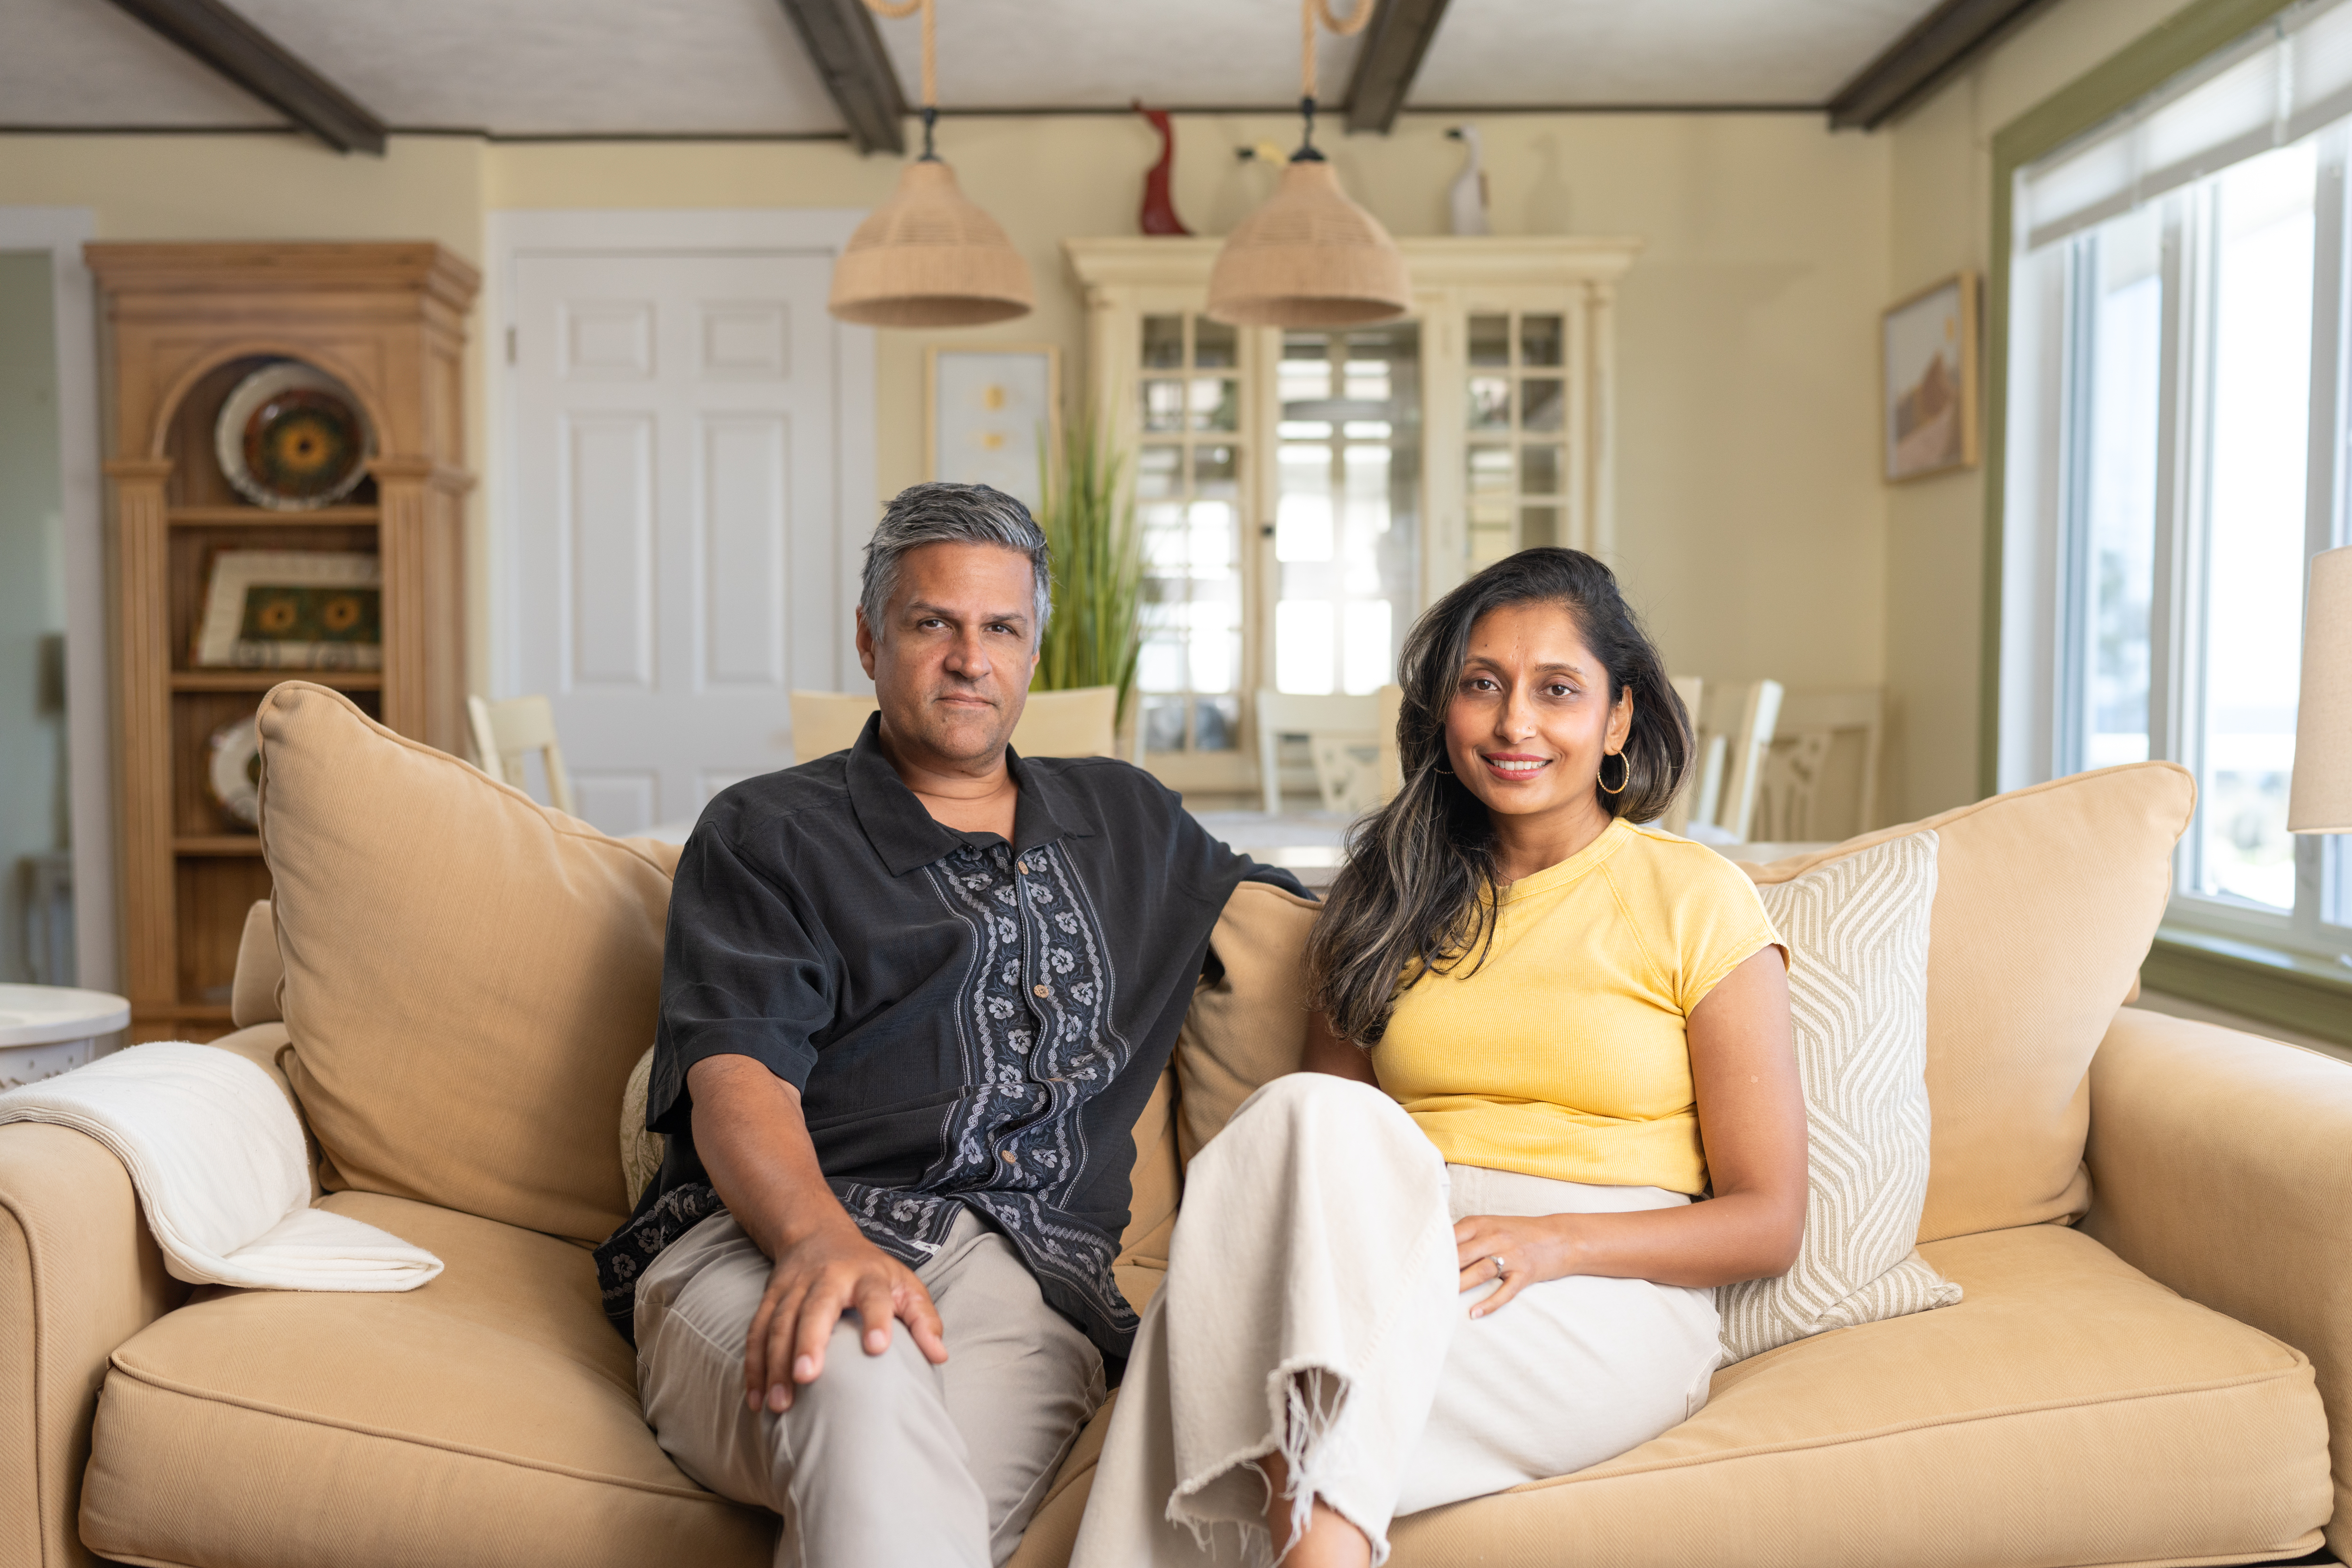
(2221, 1166)
(79, 1274)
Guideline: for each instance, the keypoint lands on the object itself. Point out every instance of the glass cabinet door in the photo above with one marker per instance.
(1516, 418)
(1346, 535)
(1188, 478)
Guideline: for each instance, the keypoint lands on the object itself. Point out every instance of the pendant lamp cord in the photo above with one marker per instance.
(1310, 13)
(889, 12)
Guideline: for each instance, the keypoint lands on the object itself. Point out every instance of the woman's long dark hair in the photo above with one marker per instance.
(1418, 892)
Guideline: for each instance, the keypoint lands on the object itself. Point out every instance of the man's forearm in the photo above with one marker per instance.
(749, 1132)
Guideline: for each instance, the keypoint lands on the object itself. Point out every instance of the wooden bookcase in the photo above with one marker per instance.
(185, 323)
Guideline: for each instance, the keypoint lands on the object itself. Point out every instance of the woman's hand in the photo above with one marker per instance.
(1519, 1249)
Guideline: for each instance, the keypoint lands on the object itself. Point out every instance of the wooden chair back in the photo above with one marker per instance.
(1333, 726)
(1691, 689)
(824, 722)
(1735, 732)
(1080, 723)
(507, 731)
(1820, 780)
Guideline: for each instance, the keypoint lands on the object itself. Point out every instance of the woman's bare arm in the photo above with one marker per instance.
(1327, 1052)
(1751, 1116)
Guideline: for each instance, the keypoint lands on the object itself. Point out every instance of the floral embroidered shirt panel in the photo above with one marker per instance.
(971, 1023)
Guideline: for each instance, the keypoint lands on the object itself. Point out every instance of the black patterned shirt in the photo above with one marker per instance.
(971, 1025)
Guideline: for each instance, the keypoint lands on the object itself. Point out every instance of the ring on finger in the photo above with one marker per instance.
(1502, 1269)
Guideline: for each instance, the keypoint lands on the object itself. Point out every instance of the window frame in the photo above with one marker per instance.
(2280, 968)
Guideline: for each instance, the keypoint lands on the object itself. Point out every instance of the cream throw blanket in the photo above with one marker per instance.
(216, 1156)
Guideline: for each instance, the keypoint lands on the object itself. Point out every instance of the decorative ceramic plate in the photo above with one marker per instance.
(235, 773)
(290, 437)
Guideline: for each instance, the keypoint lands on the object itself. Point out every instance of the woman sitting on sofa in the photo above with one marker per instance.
(1461, 1252)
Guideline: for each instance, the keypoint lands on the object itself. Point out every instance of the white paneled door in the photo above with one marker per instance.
(674, 570)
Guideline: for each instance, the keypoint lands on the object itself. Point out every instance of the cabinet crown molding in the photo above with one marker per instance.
(419, 267)
(1436, 260)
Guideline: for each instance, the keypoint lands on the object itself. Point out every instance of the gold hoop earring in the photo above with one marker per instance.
(1624, 774)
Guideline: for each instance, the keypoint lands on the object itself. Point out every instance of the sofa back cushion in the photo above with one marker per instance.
(2046, 900)
(468, 976)
(1248, 1026)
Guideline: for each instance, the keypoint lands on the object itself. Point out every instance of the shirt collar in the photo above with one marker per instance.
(906, 836)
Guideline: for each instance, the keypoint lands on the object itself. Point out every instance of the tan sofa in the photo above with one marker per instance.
(463, 980)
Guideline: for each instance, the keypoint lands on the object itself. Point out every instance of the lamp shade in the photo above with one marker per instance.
(2321, 799)
(929, 257)
(1308, 257)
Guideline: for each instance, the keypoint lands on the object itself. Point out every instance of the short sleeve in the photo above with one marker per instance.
(743, 974)
(1720, 922)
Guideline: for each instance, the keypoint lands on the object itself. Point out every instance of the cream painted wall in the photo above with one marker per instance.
(1751, 525)
(1941, 202)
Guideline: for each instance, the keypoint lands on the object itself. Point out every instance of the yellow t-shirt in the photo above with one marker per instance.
(1564, 1054)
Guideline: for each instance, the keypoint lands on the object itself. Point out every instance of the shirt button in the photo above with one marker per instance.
(1040, 990)
(1009, 1158)
(1024, 867)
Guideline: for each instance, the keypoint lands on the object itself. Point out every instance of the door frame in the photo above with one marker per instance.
(90, 746)
(512, 234)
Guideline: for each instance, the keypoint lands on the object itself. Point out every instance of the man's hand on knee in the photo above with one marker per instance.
(813, 1282)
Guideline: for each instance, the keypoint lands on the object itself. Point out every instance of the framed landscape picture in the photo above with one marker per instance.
(1929, 360)
(988, 408)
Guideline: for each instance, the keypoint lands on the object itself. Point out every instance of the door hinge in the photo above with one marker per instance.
(510, 346)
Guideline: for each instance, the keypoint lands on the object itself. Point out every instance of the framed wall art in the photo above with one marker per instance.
(988, 408)
(292, 609)
(1927, 358)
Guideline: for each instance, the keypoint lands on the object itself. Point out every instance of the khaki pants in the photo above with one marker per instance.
(885, 1461)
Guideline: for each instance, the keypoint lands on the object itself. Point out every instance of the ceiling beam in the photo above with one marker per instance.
(263, 67)
(1940, 43)
(845, 46)
(1390, 60)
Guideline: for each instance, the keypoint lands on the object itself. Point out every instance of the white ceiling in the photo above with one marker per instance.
(553, 67)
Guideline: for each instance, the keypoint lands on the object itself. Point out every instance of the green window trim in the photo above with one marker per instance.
(2263, 983)
(2289, 989)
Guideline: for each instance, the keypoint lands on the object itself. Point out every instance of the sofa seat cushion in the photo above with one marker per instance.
(2068, 1410)
(489, 1417)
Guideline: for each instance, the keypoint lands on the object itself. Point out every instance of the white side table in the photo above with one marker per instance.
(49, 1029)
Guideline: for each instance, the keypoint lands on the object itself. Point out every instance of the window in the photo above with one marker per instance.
(2176, 343)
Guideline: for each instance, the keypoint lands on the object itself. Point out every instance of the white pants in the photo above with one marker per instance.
(1312, 1310)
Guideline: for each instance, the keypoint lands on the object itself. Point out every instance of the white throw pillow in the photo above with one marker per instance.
(1857, 935)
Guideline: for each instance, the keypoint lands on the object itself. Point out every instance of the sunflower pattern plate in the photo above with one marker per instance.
(290, 437)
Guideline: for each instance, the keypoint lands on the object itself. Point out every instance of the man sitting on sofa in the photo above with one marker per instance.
(913, 996)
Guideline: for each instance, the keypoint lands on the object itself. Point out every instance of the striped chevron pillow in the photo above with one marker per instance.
(1857, 933)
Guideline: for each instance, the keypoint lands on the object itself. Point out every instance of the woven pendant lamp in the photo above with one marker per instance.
(1309, 256)
(929, 257)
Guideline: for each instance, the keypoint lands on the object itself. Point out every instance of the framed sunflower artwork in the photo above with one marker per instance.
(292, 609)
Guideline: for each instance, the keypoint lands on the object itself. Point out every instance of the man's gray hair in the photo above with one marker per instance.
(942, 513)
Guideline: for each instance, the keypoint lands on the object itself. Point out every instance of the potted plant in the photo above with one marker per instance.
(1095, 635)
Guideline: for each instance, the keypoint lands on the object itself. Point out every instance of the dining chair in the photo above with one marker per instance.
(507, 731)
(1080, 723)
(1820, 776)
(1735, 732)
(824, 722)
(1691, 689)
(1337, 729)
(1391, 699)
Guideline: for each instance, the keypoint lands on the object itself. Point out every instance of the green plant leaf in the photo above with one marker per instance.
(1095, 635)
